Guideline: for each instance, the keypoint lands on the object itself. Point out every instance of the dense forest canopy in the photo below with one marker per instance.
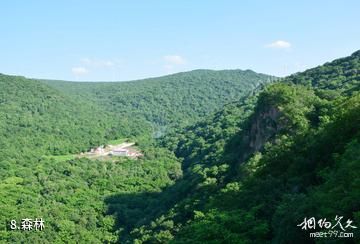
(169, 101)
(36, 117)
(245, 157)
(260, 166)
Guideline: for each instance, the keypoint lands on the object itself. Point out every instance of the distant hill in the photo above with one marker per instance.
(168, 101)
(37, 119)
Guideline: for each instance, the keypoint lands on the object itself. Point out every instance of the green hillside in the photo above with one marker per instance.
(168, 101)
(68, 193)
(37, 119)
(256, 169)
(244, 160)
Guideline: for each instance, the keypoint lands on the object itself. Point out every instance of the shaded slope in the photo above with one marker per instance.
(256, 169)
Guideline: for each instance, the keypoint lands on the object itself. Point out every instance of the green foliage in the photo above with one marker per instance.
(70, 195)
(294, 154)
(36, 119)
(248, 173)
(338, 77)
(169, 101)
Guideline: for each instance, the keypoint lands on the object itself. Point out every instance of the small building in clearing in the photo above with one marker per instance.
(120, 152)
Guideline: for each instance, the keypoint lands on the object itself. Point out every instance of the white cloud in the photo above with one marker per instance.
(92, 64)
(99, 63)
(174, 60)
(279, 44)
(78, 71)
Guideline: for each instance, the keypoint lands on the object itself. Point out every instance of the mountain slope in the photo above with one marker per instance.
(172, 100)
(255, 170)
(248, 173)
(340, 76)
(37, 119)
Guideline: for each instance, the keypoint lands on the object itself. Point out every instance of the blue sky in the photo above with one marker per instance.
(125, 40)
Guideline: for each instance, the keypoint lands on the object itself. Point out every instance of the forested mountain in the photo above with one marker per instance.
(250, 164)
(39, 127)
(172, 100)
(256, 169)
(37, 119)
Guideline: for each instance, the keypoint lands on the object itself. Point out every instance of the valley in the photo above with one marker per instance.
(179, 122)
(203, 156)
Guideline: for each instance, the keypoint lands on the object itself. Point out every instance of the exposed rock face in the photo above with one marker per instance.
(265, 125)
